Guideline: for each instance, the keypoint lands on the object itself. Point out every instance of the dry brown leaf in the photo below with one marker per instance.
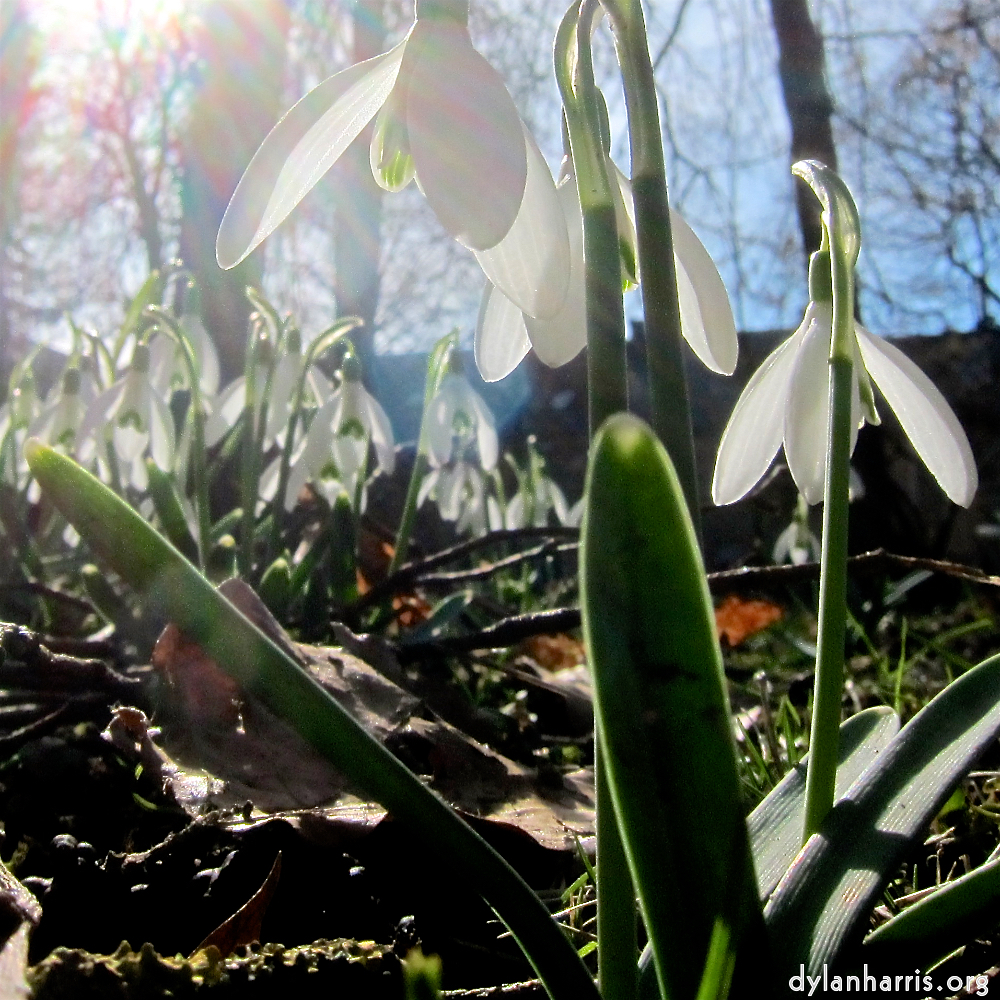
(736, 618)
(554, 652)
(220, 748)
(243, 927)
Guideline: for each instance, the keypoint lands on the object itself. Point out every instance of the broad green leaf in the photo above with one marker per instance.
(932, 928)
(661, 704)
(775, 826)
(163, 577)
(820, 905)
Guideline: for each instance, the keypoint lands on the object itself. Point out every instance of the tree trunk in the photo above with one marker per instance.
(358, 234)
(243, 51)
(802, 69)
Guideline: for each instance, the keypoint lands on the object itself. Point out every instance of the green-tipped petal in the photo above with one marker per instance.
(300, 149)
(465, 135)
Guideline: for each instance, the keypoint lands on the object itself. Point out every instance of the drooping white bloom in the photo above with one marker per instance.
(63, 412)
(167, 369)
(445, 118)
(462, 495)
(457, 417)
(333, 454)
(139, 419)
(504, 332)
(787, 400)
(16, 415)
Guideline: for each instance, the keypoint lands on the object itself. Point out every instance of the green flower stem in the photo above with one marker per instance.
(437, 368)
(127, 544)
(319, 346)
(607, 377)
(669, 397)
(197, 417)
(821, 775)
(607, 394)
(617, 931)
(254, 425)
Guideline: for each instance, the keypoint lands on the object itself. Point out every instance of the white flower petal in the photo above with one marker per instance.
(501, 337)
(465, 135)
(440, 433)
(487, 440)
(161, 432)
(807, 416)
(381, 435)
(558, 340)
(925, 415)
(706, 316)
(531, 264)
(300, 149)
(427, 486)
(225, 411)
(753, 435)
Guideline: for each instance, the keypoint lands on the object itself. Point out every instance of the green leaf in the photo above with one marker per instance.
(125, 542)
(662, 709)
(821, 904)
(934, 927)
(776, 824)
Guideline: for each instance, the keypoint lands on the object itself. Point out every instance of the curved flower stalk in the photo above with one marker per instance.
(444, 119)
(333, 454)
(139, 419)
(504, 333)
(787, 401)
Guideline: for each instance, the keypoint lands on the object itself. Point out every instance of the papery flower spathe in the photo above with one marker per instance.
(504, 332)
(445, 118)
(787, 400)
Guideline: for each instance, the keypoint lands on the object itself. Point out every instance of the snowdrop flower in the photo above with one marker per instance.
(445, 119)
(537, 495)
(504, 332)
(333, 454)
(460, 491)
(167, 368)
(457, 416)
(787, 400)
(64, 411)
(16, 416)
(139, 420)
